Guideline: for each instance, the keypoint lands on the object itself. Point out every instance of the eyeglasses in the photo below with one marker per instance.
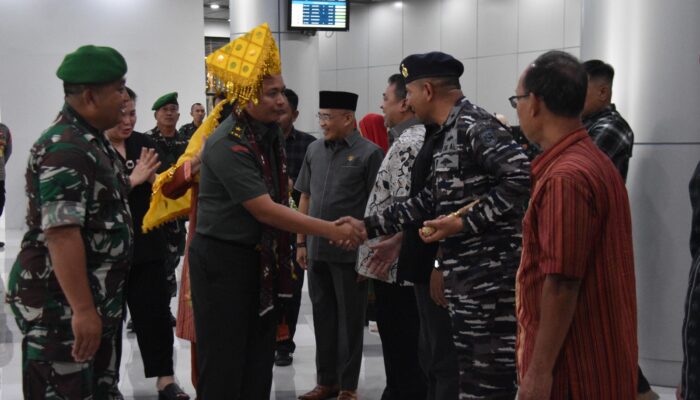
(328, 117)
(514, 99)
(324, 117)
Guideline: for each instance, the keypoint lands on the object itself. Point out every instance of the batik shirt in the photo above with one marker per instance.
(393, 184)
(73, 179)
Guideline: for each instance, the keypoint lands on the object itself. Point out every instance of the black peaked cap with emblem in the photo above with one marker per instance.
(337, 100)
(430, 65)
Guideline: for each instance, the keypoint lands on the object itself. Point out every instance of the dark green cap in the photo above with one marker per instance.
(92, 64)
(170, 98)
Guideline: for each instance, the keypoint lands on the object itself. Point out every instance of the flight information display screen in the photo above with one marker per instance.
(319, 15)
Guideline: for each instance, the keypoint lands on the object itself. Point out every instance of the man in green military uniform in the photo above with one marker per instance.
(239, 257)
(66, 288)
(170, 146)
(197, 112)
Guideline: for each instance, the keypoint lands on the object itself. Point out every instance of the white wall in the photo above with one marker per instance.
(162, 41)
(654, 47)
(494, 39)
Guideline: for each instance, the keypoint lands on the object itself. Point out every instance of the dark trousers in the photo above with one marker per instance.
(339, 304)
(642, 383)
(690, 383)
(2, 196)
(436, 349)
(148, 297)
(290, 311)
(235, 345)
(399, 328)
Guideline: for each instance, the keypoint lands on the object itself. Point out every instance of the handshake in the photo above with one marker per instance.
(348, 233)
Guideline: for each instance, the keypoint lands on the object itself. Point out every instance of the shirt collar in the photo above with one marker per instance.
(349, 140)
(544, 160)
(601, 113)
(398, 129)
(73, 115)
(454, 113)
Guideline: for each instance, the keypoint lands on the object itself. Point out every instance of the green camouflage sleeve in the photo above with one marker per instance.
(64, 181)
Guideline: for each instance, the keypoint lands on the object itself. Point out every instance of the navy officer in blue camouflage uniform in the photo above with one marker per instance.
(478, 163)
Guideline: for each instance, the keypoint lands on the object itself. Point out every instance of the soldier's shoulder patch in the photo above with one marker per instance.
(488, 132)
(488, 137)
(238, 148)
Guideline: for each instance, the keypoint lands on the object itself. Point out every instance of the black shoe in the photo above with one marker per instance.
(172, 392)
(2, 245)
(130, 326)
(283, 358)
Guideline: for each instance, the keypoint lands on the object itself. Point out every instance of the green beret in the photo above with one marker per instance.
(92, 64)
(170, 98)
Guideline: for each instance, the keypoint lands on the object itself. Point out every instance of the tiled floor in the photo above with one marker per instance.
(289, 382)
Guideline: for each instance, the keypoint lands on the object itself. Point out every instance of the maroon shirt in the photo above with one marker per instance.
(578, 225)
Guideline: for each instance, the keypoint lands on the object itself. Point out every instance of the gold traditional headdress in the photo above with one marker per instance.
(238, 68)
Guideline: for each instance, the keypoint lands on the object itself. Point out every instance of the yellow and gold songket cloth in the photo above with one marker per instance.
(236, 70)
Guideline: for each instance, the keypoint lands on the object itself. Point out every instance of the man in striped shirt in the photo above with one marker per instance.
(575, 293)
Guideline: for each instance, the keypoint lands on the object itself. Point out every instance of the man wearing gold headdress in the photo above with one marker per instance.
(240, 255)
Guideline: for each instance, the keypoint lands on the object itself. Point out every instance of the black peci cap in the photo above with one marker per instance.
(337, 100)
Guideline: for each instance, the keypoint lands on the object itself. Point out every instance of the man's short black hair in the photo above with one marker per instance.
(560, 80)
(78, 88)
(132, 94)
(399, 83)
(597, 69)
(73, 88)
(195, 104)
(292, 97)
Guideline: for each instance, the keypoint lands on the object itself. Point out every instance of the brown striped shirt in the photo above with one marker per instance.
(578, 225)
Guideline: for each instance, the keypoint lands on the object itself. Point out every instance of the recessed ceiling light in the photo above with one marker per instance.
(398, 4)
(214, 6)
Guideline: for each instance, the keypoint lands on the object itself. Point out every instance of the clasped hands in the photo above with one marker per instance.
(349, 233)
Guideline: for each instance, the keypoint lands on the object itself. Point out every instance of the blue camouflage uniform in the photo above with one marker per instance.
(478, 160)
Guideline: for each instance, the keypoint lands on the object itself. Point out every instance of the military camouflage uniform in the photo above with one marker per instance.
(169, 150)
(478, 160)
(186, 131)
(73, 179)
